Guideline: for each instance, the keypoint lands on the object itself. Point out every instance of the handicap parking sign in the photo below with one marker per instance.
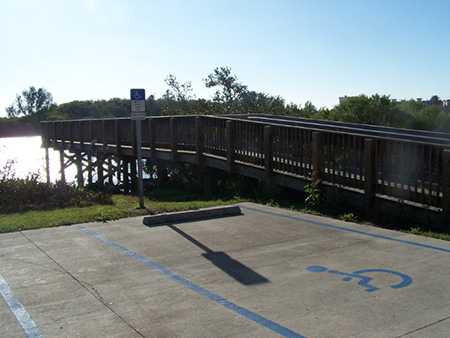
(137, 97)
(137, 94)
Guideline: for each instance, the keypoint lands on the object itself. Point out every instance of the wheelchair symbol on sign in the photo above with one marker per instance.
(365, 280)
(137, 96)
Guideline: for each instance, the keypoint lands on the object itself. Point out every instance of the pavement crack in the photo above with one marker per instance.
(423, 327)
(88, 287)
(94, 292)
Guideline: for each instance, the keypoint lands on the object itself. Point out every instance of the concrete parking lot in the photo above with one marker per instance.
(266, 273)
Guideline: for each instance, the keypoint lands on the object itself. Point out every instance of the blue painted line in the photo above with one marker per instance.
(346, 229)
(206, 293)
(22, 316)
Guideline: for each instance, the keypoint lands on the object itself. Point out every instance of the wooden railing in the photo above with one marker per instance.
(373, 171)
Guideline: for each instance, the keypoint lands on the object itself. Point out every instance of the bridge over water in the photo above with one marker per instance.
(376, 168)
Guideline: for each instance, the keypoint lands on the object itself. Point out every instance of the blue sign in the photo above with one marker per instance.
(137, 103)
(137, 94)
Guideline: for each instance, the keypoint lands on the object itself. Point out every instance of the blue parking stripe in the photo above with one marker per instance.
(206, 293)
(22, 316)
(347, 229)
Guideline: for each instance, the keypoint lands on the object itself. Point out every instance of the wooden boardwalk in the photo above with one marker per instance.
(383, 170)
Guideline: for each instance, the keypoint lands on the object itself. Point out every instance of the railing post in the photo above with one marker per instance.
(268, 153)
(79, 136)
(231, 152)
(91, 132)
(446, 184)
(199, 141)
(70, 134)
(370, 177)
(44, 134)
(173, 140)
(54, 134)
(317, 155)
(105, 143)
(152, 137)
(118, 138)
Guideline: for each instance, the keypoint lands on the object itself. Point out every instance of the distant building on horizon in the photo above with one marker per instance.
(343, 99)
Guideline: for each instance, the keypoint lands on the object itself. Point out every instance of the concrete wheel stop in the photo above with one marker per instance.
(191, 215)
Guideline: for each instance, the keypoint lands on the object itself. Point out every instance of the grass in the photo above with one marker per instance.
(123, 206)
(167, 200)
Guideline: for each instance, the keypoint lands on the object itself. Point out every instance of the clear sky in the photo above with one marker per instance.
(302, 50)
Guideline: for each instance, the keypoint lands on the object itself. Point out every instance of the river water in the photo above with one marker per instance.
(22, 156)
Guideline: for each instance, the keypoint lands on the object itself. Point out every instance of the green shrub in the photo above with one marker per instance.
(24, 194)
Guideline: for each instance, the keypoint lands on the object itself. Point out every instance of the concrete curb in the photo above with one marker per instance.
(182, 216)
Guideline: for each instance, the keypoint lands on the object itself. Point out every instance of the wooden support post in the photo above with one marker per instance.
(207, 178)
(118, 169)
(161, 172)
(199, 142)
(446, 184)
(173, 140)
(231, 151)
(317, 155)
(370, 177)
(268, 153)
(91, 151)
(119, 150)
(125, 176)
(62, 166)
(110, 171)
(89, 168)
(79, 164)
(100, 177)
(47, 165)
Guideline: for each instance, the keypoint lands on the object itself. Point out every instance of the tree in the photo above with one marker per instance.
(260, 103)
(177, 91)
(374, 110)
(230, 89)
(31, 102)
(309, 110)
(178, 99)
(427, 119)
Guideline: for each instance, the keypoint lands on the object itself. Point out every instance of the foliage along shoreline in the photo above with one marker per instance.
(18, 128)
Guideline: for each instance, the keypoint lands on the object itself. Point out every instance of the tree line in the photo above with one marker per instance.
(230, 97)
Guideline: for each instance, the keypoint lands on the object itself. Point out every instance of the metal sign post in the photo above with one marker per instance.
(138, 114)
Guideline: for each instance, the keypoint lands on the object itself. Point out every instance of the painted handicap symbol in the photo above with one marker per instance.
(365, 280)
